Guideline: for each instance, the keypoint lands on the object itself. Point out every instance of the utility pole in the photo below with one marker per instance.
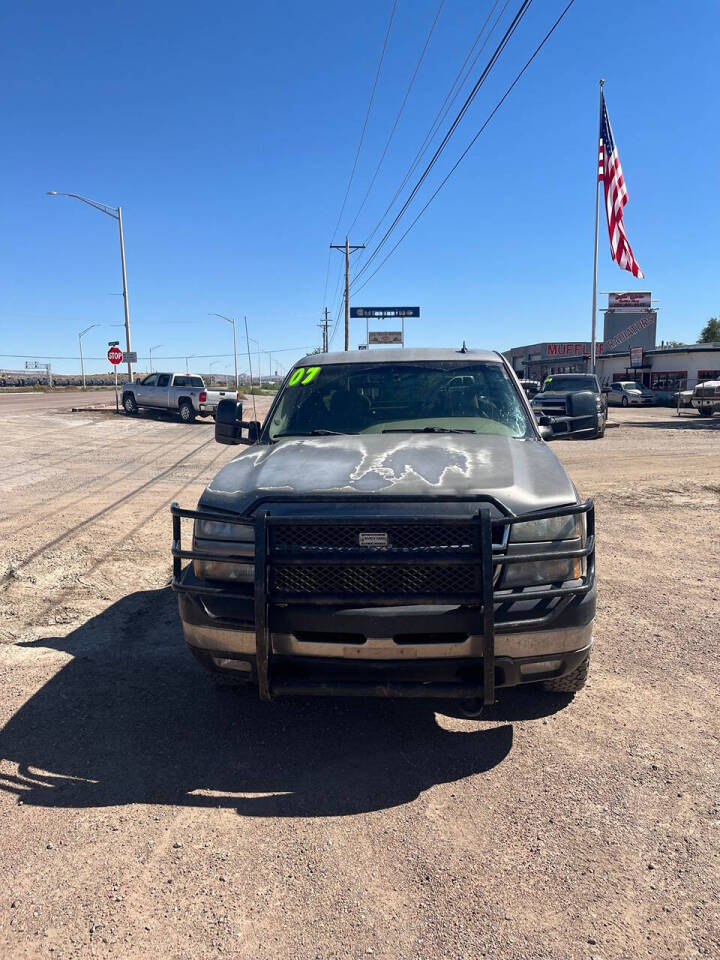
(324, 324)
(348, 249)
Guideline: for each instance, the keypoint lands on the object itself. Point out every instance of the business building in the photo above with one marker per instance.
(628, 351)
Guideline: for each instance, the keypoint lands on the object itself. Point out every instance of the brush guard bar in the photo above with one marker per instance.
(484, 557)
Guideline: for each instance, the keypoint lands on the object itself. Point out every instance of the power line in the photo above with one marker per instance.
(447, 103)
(522, 10)
(471, 144)
(182, 356)
(367, 117)
(399, 114)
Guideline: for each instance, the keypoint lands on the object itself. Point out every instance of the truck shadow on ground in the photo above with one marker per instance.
(132, 719)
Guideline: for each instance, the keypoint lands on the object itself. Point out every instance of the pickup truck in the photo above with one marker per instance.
(398, 526)
(706, 398)
(184, 393)
(551, 398)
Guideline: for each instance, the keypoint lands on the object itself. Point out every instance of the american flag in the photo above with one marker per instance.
(616, 196)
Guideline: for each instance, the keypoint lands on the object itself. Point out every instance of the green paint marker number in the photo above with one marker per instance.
(303, 376)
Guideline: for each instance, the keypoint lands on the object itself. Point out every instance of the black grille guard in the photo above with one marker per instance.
(484, 557)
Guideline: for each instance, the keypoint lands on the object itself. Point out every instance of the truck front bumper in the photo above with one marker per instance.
(439, 644)
(424, 655)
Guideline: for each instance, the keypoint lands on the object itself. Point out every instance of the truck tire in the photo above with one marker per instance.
(705, 411)
(571, 682)
(129, 404)
(187, 413)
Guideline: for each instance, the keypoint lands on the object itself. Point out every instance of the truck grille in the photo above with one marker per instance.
(377, 579)
(401, 538)
(552, 408)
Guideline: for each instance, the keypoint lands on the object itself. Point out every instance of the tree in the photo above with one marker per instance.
(674, 343)
(711, 331)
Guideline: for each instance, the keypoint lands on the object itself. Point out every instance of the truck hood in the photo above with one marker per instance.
(524, 475)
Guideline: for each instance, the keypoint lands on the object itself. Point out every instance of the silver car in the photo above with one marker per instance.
(626, 393)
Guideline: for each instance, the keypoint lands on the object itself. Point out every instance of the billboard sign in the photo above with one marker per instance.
(625, 329)
(637, 358)
(385, 336)
(629, 298)
(363, 313)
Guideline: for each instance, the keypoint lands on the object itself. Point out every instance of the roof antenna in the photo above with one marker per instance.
(463, 348)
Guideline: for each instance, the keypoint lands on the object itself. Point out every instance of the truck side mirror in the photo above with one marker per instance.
(583, 413)
(229, 424)
(581, 418)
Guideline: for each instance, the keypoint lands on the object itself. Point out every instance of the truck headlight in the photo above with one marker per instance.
(217, 570)
(236, 538)
(542, 571)
(553, 528)
(559, 533)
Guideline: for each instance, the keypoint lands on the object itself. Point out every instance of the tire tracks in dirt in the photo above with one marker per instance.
(156, 450)
(6, 579)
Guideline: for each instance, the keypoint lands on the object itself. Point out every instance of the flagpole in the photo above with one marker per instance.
(593, 345)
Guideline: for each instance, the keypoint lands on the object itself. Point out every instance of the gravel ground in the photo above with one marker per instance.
(145, 813)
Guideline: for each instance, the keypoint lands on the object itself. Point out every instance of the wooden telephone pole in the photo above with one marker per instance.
(348, 249)
(324, 324)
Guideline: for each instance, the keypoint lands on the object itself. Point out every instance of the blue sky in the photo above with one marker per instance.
(227, 131)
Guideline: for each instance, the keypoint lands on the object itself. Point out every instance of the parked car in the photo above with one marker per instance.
(184, 393)
(626, 393)
(398, 526)
(706, 398)
(551, 400)
(531, 387)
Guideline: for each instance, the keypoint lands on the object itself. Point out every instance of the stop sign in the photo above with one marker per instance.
(115, 355)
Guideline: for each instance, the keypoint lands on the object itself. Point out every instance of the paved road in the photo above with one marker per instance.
(47, 402)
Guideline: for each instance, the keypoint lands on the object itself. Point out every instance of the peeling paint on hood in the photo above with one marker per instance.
(524, 475)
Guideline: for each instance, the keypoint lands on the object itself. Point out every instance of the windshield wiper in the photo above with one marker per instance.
(318, 432)
(428, 430)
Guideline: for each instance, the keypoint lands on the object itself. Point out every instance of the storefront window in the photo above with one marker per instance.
(670, 380)
(708, 375)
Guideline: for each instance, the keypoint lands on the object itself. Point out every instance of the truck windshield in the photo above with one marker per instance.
(431, 397)
(570, 384)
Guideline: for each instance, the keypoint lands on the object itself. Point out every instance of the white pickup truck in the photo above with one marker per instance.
(185, 393)
(706, 398)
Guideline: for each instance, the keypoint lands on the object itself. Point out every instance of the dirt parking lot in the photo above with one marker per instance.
(145, 813)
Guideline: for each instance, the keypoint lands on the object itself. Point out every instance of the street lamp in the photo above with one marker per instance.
(151, 350)
(230, 320)
(116, 214)
(259, 351)
(80, 336)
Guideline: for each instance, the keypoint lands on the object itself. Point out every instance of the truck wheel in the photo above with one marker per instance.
(705, 411)
(187, 414)
(571, 682)
(129, 404)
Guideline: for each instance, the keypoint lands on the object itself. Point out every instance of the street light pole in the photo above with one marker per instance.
(125, 291)
(232, 321)
(116, 214)
(157, 345)
(80, 336)
(259, 351)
